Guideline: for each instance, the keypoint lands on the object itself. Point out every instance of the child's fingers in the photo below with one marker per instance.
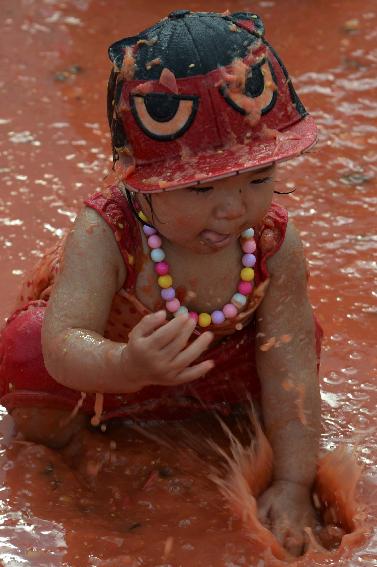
(294, 543)
(148, 324)
(194, 350)
(167, 334)
(194, 372)
(179, 341)
(290, 537)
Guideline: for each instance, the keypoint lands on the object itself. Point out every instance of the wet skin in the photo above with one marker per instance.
(200, 229)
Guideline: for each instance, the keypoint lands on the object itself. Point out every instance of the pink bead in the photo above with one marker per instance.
(245, 287)
(249, 246)
(154, 241)
(194, 316)
(162, 268)
(173, 305)
(248, 260)
(230, 311)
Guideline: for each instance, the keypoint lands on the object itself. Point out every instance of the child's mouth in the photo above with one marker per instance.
(215, 239)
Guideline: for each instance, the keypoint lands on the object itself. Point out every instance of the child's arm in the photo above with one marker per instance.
(290, 394)
(75, 352)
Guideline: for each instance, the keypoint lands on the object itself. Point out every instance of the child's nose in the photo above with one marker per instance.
(231, 207)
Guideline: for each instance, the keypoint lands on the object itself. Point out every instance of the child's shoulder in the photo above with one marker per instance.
(112, 205)
(110, 201)
(289, 259)
(281, 247)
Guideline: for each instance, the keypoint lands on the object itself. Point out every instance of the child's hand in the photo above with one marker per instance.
(285, 508)
(157, 352)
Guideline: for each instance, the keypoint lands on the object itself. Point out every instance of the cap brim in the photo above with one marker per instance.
(187, 171)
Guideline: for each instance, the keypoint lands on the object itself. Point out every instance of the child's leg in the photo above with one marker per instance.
(24, 381)
(50, 427)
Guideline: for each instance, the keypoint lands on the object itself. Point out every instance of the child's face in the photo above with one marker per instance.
(209, 218)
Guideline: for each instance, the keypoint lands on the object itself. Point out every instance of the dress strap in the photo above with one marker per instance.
(112, 205)
(270, 238)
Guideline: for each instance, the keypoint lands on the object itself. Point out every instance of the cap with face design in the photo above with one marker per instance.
(201, 96)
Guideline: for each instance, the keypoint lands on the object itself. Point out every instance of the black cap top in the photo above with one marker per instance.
(189, 43)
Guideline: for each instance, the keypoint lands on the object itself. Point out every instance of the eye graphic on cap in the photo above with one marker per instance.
(164, 116)
(260, 86)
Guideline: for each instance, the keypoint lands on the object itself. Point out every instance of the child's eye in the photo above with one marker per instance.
(200, 189)
(261, 180)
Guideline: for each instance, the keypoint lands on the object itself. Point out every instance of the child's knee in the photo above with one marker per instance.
(49, 427)
(21, 360)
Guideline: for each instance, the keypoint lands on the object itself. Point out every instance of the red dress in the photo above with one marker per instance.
(24, 380)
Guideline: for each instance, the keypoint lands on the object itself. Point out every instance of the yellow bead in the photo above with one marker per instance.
(142, 216)
(165, 281)
(204, 320)
(247, 274)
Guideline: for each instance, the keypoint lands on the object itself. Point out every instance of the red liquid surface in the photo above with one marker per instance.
(150, 504)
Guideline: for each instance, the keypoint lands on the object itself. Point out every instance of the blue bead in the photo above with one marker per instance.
(157, 255)
(239, 300)
(217, 317)
(248, 233)
(181, 310)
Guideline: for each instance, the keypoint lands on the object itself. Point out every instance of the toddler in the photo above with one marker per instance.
(183, 287)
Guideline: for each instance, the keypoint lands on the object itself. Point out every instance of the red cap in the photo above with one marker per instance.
(184, 129)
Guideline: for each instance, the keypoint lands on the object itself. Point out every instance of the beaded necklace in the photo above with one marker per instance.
(165, 281)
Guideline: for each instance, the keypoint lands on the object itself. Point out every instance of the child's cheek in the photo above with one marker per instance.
(184, 224)
(262, 205)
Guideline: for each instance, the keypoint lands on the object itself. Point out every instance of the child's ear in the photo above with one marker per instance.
(250, 22)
